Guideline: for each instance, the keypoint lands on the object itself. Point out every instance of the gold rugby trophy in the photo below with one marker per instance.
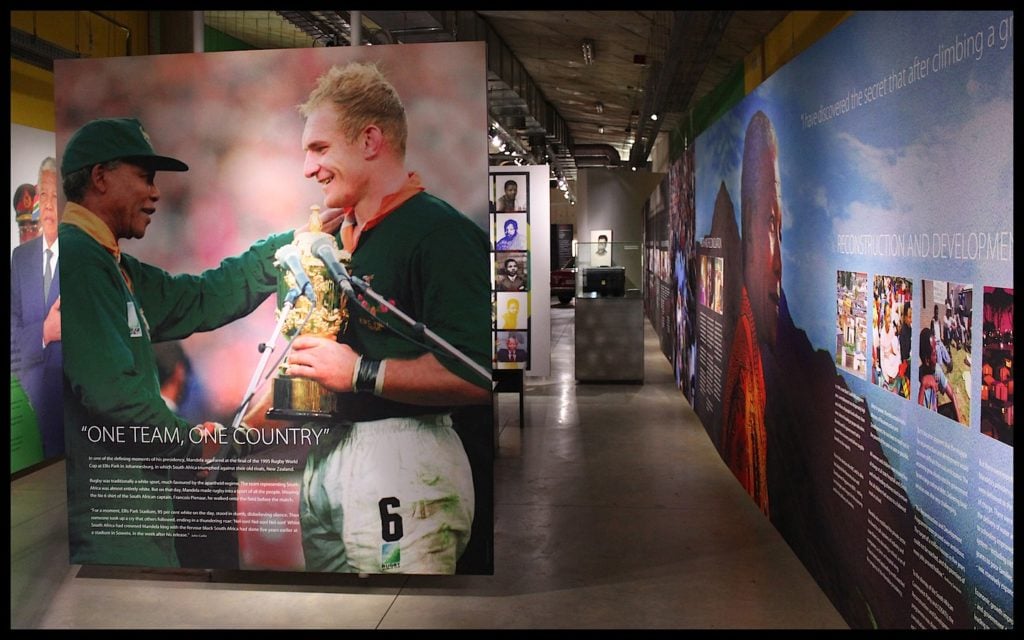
(321, 314)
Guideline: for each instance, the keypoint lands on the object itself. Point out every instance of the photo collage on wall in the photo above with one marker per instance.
(852, 322)
(942, 344)
(510, 229)
(997, 361)
(938, 334)
(893, 299)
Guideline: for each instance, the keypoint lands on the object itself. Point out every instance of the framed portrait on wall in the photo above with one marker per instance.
(512, 310)
(511, 349)
(601, 248)
(510, 268)
(510, 232)
(510, 192)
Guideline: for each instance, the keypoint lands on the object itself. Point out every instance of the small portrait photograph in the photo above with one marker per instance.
(601, 248)
(717, 299)
(511, 349)
(997, 364)
(702, 288)
(852, 322)
(893, 337)
(509, 192)
(510, 231)
(513, 310)
(510, 271)
(712, 282)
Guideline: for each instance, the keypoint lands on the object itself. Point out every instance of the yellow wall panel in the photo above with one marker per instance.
(32, 96)
(753, 68)
(796, 32)
(778, 46)
(91, 34)
(811, 26)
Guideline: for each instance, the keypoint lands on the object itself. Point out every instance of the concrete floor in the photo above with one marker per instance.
(612, 510)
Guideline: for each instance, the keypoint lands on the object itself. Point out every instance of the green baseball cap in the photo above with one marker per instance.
(109, 139)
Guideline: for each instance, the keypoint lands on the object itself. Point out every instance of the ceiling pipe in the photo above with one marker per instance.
(671, 88)
(31, 49)
(198, 32)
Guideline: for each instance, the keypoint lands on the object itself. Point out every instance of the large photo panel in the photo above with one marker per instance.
(873, 163)
(233, 118)
(37, 432)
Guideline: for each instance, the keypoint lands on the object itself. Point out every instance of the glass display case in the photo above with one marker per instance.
(609, 270)
(609, 312)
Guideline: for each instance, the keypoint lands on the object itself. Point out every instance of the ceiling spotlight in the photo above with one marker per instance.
(600, 128)
(654, 116)
(599, 107)
(588, 51)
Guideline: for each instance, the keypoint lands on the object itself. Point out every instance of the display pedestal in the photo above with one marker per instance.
(509, 381)
(610, 339)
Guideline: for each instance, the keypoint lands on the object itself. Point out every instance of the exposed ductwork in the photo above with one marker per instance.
(684, 44)
(36, 51)
(596, 155)
(330, 28)
(693, 39)
(514, 101)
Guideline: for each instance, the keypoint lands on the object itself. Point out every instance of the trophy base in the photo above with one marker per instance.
(301, 399)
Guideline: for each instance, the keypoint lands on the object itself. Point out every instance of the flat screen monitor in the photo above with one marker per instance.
(605, 281)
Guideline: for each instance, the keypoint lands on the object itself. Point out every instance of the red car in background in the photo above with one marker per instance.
(563, 282)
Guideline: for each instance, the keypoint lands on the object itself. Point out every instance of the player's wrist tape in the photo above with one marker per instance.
(378, 383)
(369, 376)
(355, 372)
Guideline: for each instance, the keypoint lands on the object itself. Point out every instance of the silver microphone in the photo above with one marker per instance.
(323, 248)
(288, 255)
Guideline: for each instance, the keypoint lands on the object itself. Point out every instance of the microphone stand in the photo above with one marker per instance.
(418, 327)
(266, 349)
